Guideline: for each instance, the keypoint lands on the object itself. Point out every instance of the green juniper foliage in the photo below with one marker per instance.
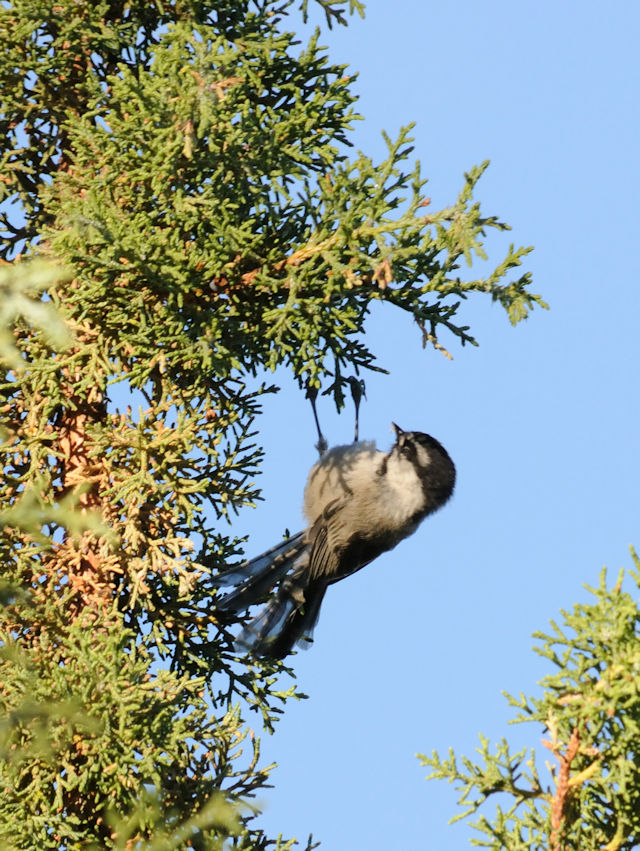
(187, 167)
(590, 712)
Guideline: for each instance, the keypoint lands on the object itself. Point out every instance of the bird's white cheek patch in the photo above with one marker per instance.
(408, 497)
(423, 457)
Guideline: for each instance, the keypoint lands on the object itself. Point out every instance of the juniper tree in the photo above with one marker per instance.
(581, 789)
(188, 167)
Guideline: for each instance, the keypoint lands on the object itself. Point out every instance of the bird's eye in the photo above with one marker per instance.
(409, 449)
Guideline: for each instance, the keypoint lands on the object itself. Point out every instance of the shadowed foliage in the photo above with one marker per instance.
(186, 169)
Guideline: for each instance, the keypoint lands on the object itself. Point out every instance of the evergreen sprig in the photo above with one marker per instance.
(590, 713)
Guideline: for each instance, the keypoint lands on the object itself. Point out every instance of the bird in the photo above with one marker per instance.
(359, 502)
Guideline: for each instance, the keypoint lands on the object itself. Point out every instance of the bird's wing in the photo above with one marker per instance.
(254, 578)
(319, 553)
(323, 554)
(331, 555)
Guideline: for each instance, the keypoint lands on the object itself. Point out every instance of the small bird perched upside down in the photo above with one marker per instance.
(359, 502)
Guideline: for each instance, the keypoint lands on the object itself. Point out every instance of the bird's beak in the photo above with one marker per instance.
(399, 434)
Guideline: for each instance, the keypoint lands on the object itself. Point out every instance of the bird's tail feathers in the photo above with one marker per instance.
(253, 579)
(259, 634)
(286, 620)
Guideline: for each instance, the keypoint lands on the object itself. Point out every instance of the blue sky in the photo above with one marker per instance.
(412, 653)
